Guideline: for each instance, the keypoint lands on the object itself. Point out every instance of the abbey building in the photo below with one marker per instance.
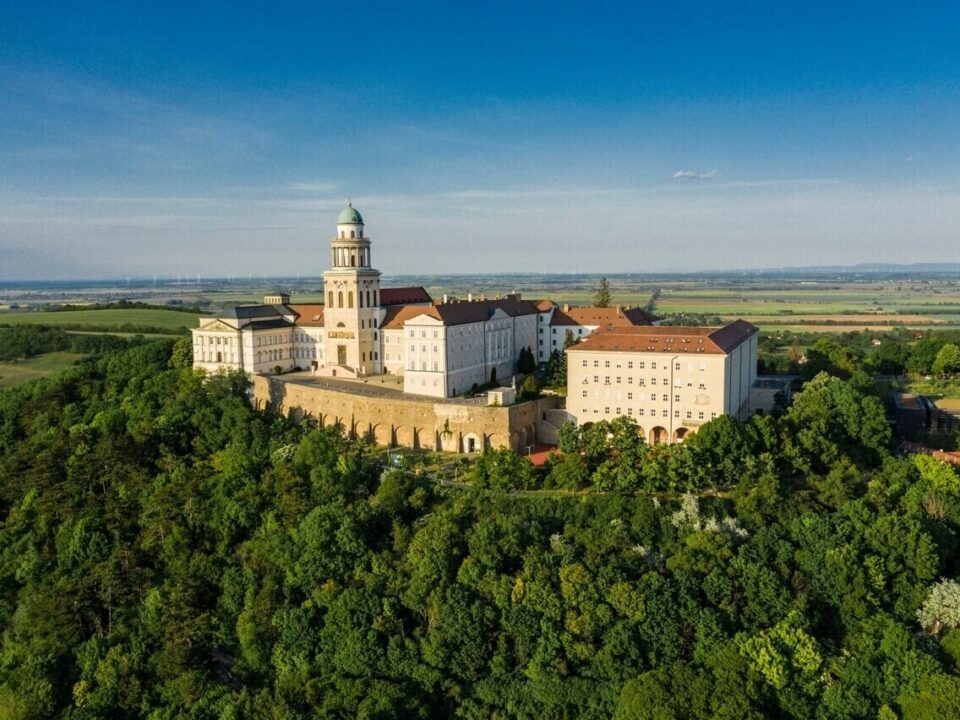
(440, 349)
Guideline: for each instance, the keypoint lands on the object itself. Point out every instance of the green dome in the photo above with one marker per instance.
(349, 216)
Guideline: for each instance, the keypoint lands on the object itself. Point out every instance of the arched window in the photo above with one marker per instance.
(352, 234)
(360, 300)
(350, 299)
(374, 297)
(330, 298)
(340, 298)
(342, 234)
(353, 260)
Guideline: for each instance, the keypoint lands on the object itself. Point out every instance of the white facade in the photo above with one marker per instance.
(670, 380)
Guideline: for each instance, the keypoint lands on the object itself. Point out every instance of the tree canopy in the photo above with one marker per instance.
(168, 552)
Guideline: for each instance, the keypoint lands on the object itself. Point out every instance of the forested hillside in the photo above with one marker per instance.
(167, 552)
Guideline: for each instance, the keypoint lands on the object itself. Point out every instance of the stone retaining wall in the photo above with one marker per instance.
(407, 421)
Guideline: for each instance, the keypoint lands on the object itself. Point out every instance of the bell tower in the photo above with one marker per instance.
(352, 290)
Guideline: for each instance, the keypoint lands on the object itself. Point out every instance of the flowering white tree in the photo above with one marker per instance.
(942, 607)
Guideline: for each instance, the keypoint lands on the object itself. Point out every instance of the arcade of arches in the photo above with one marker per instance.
(407, 422)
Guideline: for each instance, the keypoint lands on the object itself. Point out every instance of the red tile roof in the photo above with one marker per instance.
(404, 296)
(310, 315)
(673, 340)
(457, 313)
(596, 317)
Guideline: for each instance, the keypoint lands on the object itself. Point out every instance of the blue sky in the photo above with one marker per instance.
(175, 139)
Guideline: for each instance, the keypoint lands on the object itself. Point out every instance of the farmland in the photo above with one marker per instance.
(821, 307)
(119, 320)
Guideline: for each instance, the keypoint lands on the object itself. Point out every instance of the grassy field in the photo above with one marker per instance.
(115, 319)
(21, 371)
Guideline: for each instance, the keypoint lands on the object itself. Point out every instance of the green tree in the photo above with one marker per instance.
(947, 361)
(601, 298)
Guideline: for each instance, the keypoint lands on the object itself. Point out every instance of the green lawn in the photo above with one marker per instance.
(20, 371)
(117, 319)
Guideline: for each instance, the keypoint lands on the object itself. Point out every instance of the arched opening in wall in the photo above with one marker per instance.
(330, 298)
(380, 435)
(471, 443)
(403, 437)
(679, 434)
(353, 233)
(360, 301)
(350, 299)
(659, 435)
(353, 260)
(219, 357)
(416, 432)
(340, 324)
(586, 426)
(490, 442)
(340, 298)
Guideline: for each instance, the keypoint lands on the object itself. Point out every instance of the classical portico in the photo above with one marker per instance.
(351, 314)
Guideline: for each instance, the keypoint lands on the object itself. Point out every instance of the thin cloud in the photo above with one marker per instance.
(318, 186)
(691, 175)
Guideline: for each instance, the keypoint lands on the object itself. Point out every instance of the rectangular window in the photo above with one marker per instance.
(665, 413)
(640, 365)
(653, 397)
(676, 366)
(676, 413)
(606, 363)
(689, 414)
(640, 411)
(585, 393)
(584, 363)
(666, 398)
(618, 411)
(653, 365)
(629, 396)
(630, 365)
(676, 398)
(606, 411)
(700, 414)
(618, 380)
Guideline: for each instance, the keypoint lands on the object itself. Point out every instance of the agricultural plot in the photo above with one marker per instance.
(115, 319)
(841, 307)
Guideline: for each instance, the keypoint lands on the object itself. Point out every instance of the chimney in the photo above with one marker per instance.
(446, 299)
(566, 307)
(469, 297)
